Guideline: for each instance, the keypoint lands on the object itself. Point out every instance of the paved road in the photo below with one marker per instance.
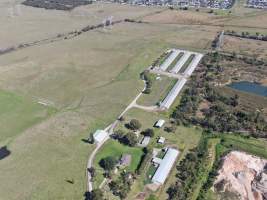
(110, 130)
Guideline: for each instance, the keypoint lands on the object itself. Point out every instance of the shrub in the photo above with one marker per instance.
(134, 124)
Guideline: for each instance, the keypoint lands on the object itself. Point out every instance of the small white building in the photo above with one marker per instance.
(160, 123)
(100, 136)
(145, 141)
(161, 140)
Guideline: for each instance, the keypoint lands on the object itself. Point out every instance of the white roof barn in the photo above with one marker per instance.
(161, 140)
(100, 136)
(160, 123)
(174, 53)
(145, 141)
(169, 99)
(165, 166)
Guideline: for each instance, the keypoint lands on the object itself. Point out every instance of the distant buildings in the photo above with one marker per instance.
(99, 136)
(165, 166)
(262, 4)
(218, 4)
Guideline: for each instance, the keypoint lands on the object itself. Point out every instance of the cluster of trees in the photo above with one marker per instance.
(145, 159)
(188, 172)
(134, 125)
(217, 42)
(148, 77)
(122, 185)
(129, 138)
(256, 36)
(96, 194)
(148, 132)
(108, 163)
(224, 113)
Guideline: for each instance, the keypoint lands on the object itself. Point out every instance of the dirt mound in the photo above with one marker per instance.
(242, 176)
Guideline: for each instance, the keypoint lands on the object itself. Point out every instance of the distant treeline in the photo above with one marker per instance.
(256, 36)
(58, 37)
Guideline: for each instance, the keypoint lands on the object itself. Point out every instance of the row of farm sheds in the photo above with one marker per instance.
(178, 62)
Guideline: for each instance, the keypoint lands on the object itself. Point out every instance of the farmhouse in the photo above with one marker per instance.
(165, 166)
(159, 123)
(99, 136)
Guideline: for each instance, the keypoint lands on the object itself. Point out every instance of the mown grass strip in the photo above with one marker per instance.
(163, 58)
(175, 61)
(187, 63)
(172, 83)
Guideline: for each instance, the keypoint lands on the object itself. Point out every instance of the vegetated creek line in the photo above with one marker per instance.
(58, 37)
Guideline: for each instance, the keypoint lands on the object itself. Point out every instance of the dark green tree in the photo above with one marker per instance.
(108, 163)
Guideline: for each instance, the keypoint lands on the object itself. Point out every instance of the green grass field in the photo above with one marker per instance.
(18, 113)
(115, 149)
(160, 89)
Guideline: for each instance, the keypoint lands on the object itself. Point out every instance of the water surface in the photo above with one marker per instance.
(250, 87)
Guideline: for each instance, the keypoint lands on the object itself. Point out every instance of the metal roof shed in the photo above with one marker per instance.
(160, 123)
(100, 136)
(165, 166)
(169, 60)
(169, 99)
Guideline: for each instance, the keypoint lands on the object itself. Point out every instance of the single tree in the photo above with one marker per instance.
(108, 163)
(149, 132)
(130, 139)
(135, 124)
(96, 194)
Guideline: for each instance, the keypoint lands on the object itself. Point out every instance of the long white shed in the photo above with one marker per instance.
(192, 66)
(169, 99)
(181, 62)
(165, 166)
(169, 60)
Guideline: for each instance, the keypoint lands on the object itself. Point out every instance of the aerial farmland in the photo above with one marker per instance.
(118, 69)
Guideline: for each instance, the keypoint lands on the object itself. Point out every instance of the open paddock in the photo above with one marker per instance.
(245, 46)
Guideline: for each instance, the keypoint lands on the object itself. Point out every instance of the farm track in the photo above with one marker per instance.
(110, 130)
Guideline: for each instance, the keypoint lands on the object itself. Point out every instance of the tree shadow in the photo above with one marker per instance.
(4, 152)
(86, 196)
(70, 181)
(86, 141)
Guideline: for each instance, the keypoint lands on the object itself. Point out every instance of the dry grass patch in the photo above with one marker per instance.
(181, 17)
(245, 46)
